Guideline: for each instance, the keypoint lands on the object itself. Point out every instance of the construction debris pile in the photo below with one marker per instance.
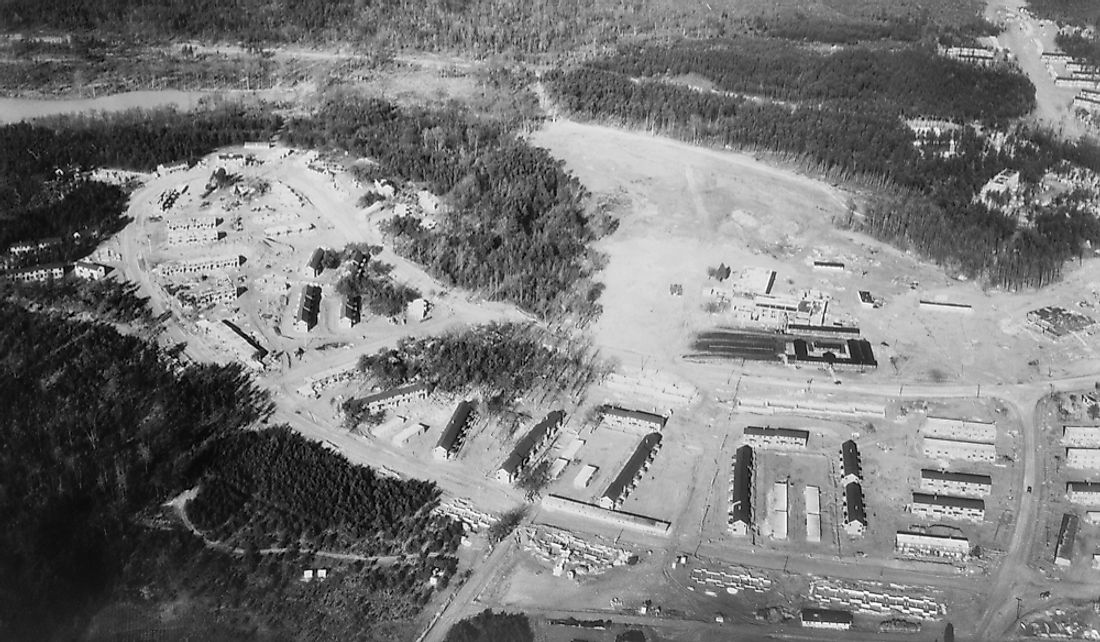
(570, 554)
(873, 599)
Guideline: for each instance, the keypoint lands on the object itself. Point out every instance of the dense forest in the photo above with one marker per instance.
(97, 426)
(475, 26)
(1074, 12)
(1080, 46)
(488, 626)
(275, 489)
(505, 360)
(518, 230)
(854, 131)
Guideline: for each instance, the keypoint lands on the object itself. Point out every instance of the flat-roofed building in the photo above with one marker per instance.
(960, 429)
(781, 438)
(812, 498)
(529, 446)
(1067, 540)
(395, 397)
(826, 619)
(851, 466)
(941, 482)
(855, 511)
(1083, 492)
(616, 518)
(948, 507)
(838, 354)
(89, 270)
(36, 273)
(632, 420)
(1083, 458)
(454, 435)
(924, 545)
(936, 448)
(1081, 436)
(620, 488)
(740, 500)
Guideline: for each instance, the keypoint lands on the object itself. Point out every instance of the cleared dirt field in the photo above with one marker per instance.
(684, 209)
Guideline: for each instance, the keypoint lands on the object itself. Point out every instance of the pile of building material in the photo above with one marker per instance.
(872, 598)
(462, 511)
(732, 581)
(567, 552)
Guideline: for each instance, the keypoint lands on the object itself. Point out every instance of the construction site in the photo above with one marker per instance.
(792, 426)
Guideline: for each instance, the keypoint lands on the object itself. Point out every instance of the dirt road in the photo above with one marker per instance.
(1026, 38)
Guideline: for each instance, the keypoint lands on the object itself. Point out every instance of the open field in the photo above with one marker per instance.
(684, 209)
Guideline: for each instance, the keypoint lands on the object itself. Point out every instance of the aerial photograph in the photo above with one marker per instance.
(557, 321)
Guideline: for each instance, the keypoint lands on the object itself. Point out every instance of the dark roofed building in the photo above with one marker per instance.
(946, 506)
(454, 435)
(351, 314)
(851, 354)
(316, 263)
(943, 482)
(824, 331)
(309, 307)
(396, 396)
(1067, 536)
(620, 488)
(851, 468)
(826, 619)
(768, 436)
(527, 447)
(855, 512)
(740, 511)
(631, 420)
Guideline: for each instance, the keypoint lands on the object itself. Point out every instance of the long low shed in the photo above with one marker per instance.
(1081, 436)
(639, 523)
(936, 448)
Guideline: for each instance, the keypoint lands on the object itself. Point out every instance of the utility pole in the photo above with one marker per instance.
(1019, 604)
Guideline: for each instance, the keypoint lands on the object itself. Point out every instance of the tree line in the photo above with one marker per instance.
(911, 80)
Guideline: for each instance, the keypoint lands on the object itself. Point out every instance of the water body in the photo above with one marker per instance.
(17, 109)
